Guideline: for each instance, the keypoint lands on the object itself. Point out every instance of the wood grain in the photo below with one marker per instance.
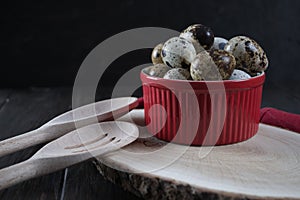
(265, 166)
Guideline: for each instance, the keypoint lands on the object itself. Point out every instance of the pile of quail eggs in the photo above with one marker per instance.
(196, 54)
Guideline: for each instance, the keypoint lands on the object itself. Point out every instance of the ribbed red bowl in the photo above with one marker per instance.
(202, 112)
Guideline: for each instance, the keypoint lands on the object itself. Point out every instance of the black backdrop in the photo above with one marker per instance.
(43, 43)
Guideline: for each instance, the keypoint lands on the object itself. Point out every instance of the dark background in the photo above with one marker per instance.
(43, 43)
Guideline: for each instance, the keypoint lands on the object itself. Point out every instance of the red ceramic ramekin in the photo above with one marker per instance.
(202, 112)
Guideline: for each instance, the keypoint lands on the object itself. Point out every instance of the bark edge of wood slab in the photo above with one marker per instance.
(153, 187)
(266, 166)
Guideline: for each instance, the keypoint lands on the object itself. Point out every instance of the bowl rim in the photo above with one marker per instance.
(228, 84)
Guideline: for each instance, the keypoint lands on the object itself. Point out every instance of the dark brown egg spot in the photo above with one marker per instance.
(221, 45)
(250, 50)
(203, 34)
(156, 54)
(247, 43)
(244, 64)
(168, 64)
(163, 53)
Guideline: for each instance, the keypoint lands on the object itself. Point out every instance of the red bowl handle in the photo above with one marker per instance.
(141, 102)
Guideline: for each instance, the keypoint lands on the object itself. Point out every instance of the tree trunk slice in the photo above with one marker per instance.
(265, 166)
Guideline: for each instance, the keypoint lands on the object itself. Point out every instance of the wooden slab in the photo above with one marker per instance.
(265, 166)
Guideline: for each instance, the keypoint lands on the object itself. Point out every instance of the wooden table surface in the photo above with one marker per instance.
(22, 110)
(26, 109)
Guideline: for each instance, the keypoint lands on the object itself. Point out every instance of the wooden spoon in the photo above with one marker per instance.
(66, 122)
(74, 147)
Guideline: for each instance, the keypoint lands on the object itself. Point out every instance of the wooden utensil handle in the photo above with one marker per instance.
(20, 172)
(24, 141)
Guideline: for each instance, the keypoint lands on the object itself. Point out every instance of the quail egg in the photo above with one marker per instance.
(203, 67)
(239, 75)
(177, 73)
(156, 54)
(249, 56)
(157, 70)
(201, 36)
(178, 53)
(219, 43)
(225, 62)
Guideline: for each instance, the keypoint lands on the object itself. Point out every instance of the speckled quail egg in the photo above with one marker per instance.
(201, 36)
(157, 70)
(178, 73)
(219, 43)
(156, 54)
(249, 56)
(225, 62)
(178, 53)
(204, 68)
(239, 75)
